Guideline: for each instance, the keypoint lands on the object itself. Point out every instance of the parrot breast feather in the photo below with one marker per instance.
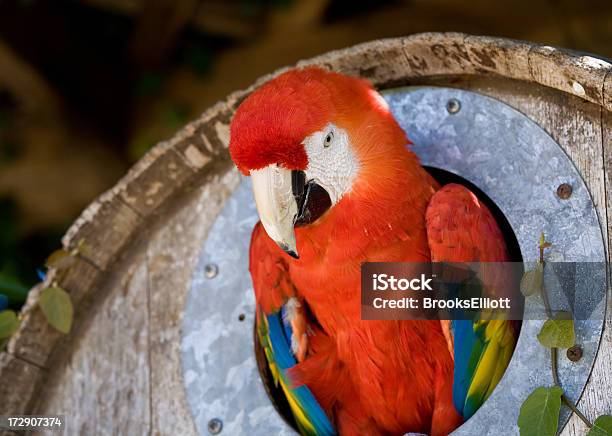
(269, 271)
(273, 288)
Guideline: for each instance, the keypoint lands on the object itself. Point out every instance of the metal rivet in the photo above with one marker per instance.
(564, 191)
(211, 270)
(215, 426)
(241, 317)
(574, 353)
(453, 106)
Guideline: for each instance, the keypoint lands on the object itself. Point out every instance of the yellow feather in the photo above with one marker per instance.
(493, 361)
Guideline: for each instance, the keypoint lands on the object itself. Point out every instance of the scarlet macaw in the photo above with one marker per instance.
(336, 185)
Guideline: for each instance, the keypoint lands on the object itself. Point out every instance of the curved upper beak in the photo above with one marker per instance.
(276, 205)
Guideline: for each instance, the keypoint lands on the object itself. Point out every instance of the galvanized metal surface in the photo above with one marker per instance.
(219, 367)
(481, 139)
(519, 167)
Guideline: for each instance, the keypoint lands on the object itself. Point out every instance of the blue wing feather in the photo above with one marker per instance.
(310, 417)
(482, 351)
(467, 344)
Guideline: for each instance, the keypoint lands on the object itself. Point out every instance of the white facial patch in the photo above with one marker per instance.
(331, 161)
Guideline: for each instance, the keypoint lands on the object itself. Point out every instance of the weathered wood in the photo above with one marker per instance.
(606, 128)
(390, 61)
(581, 75)
(36, 338)
(172, 256)
(101, 383)
(381, 62)
(19, 380)
(148, 187)
(596, 399)
(504, 57)
(607, 92)
(124, 351)
(106, 226)
(32, 344)
(207, 136)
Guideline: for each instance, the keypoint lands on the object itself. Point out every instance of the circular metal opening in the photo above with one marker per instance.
(275, 392)
(491, 146)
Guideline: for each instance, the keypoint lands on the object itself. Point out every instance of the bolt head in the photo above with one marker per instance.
(453, 106)
(211, 270)
(574, 353)
(564, 191)
(215, 426)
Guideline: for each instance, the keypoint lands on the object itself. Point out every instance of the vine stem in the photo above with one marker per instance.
(554, 351)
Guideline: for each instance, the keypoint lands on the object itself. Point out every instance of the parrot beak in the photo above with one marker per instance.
(276, 205)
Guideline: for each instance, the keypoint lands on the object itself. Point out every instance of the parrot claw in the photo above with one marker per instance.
(300, 353)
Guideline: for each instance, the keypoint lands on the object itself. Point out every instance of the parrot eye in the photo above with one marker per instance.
(328, 139)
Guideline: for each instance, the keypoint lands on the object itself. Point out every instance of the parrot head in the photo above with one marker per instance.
(310, 138)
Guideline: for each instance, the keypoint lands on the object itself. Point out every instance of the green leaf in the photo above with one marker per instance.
(539, 414)
(57, 307)
(9, 323)
(60, 259)
(602, 426)
(531, 282)
(558, 333)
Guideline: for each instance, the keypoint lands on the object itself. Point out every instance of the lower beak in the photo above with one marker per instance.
(276, 205)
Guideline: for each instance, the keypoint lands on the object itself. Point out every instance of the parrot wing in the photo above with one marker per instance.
(274, 335)
(269, 271)
(461, 229)
(274, 295)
